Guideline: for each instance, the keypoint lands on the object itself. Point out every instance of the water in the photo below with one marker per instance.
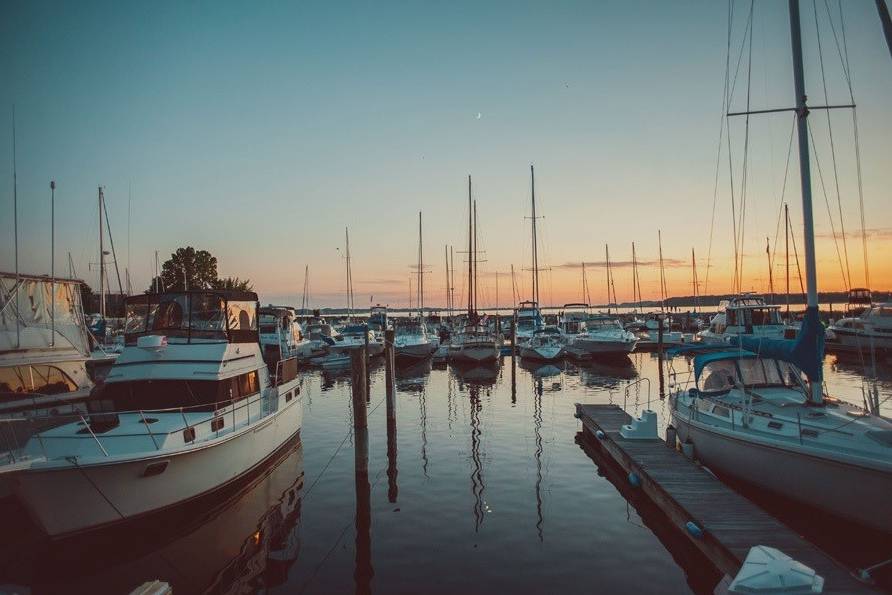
(484, 490)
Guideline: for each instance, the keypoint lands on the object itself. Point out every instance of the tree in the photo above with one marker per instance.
(197, 267)
(233, 283)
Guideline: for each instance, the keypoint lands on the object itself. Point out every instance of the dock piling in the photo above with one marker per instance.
(360, 389)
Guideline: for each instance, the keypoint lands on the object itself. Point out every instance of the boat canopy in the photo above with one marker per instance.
(806, 351)
(701, 361)
(203, 314)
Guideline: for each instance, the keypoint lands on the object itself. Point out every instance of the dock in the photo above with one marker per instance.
(727, 524)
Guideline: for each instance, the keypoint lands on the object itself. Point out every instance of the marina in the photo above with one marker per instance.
(296, 400)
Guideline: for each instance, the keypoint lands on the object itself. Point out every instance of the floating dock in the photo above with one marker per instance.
(719, 522)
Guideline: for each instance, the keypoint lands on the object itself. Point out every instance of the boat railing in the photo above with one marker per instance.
(17, 432)
(632, 385)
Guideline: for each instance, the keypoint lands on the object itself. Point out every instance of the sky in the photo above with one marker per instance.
(261, 131)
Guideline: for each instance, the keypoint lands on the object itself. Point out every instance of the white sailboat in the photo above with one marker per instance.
(188, 407)
(412, 339)
(475, 343)
(758, 411)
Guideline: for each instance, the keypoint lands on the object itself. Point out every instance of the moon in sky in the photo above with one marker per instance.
(479, 115)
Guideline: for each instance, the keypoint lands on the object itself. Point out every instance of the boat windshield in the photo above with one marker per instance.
(602, 323)
(192, 315)
(408, 327)
(751, 372)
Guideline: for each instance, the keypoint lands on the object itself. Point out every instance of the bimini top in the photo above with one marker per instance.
(224, 314)
(701, 361)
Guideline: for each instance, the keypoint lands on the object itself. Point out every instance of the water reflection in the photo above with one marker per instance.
(607, 374)
(476, 375)
(537, 454)
(477, 485)
(240, 539)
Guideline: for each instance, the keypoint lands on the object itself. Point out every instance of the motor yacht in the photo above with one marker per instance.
(743, 315)
(546, 345)
(188, 407)
(603, 336)
(411, 339)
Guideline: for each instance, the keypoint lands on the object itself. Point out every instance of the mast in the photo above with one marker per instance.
(15, 218)
(584, 285)
(420, 271)
(451, 280)
(770, 272)
(101, 261)
(635, 296)
(470, 254)
(811, 276)
(787, 251)
(883, 11)
(475, 256)
(513, 289)
(535, 244)
(448, 300)
(663, 292)
(607, 256)
(53, 259)
(349, 276)
(694, 280)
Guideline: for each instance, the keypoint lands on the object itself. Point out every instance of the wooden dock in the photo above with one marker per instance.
(730, 523)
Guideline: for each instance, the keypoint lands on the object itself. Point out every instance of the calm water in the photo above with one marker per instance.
(484, 490)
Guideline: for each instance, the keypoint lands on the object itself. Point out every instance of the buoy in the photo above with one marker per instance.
(694, 529)
(634, 480)
(600, 435)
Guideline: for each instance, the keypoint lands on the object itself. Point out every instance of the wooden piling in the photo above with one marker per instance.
(513, 361)
(368, 373)
(388, 374)
(358, 378)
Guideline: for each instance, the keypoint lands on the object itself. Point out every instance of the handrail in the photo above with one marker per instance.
(636, 383)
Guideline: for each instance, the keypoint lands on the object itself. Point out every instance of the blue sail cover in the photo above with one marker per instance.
(806, 351)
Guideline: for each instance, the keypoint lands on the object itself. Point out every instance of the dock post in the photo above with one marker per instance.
(513, 361)
(392, 488)
(358, 380)
(363, 571)
(368, 380)
(660, 320)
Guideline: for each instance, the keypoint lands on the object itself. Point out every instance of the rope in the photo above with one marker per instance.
(780, 214)
(829, 211)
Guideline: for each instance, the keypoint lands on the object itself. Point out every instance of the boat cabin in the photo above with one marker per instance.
(718, 373)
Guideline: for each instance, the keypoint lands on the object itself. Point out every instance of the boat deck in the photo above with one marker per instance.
(730, 523)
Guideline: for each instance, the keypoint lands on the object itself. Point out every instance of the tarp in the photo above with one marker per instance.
(806, 351)
(701, 361)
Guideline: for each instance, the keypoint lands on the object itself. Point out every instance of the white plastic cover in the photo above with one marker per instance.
(769, 570)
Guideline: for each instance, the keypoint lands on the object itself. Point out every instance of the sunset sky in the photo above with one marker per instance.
(260, 131)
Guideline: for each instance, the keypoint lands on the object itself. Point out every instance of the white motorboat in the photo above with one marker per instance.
(411, 340)
(572, 320)
(744, 315)
(188, 407)
(44, 349)
(475, 344)
(604, 336)
(871, 331)
(529, 320)
(281, 336)
(353, 337)
(546, 345)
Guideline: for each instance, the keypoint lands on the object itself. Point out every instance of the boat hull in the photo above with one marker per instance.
(474, 353)
(541, 354)
(856, 493)
(604, 347)
(64, 501)
(417, 351)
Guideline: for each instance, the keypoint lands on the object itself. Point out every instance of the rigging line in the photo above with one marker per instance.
(847, 70)
(842, 225)
(746, 31)
(829, 211)
(746, 144)
(783, 192)
(844, 60)
(718, 157)
(796, 257)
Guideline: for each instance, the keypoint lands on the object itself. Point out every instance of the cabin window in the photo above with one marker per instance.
(718, 376)
(248, 383)
(35, 379)
(722, 411)
(732, 317)
(171, 313)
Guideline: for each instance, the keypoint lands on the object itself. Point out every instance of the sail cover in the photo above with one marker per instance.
(806, 351)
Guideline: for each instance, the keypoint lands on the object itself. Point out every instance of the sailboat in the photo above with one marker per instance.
(411, 340)
(475, 344)
(529, 317)
(758, 411)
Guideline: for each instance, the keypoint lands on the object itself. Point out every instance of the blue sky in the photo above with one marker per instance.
(259, 132)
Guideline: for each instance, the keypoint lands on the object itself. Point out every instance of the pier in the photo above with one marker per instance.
(718, 521)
